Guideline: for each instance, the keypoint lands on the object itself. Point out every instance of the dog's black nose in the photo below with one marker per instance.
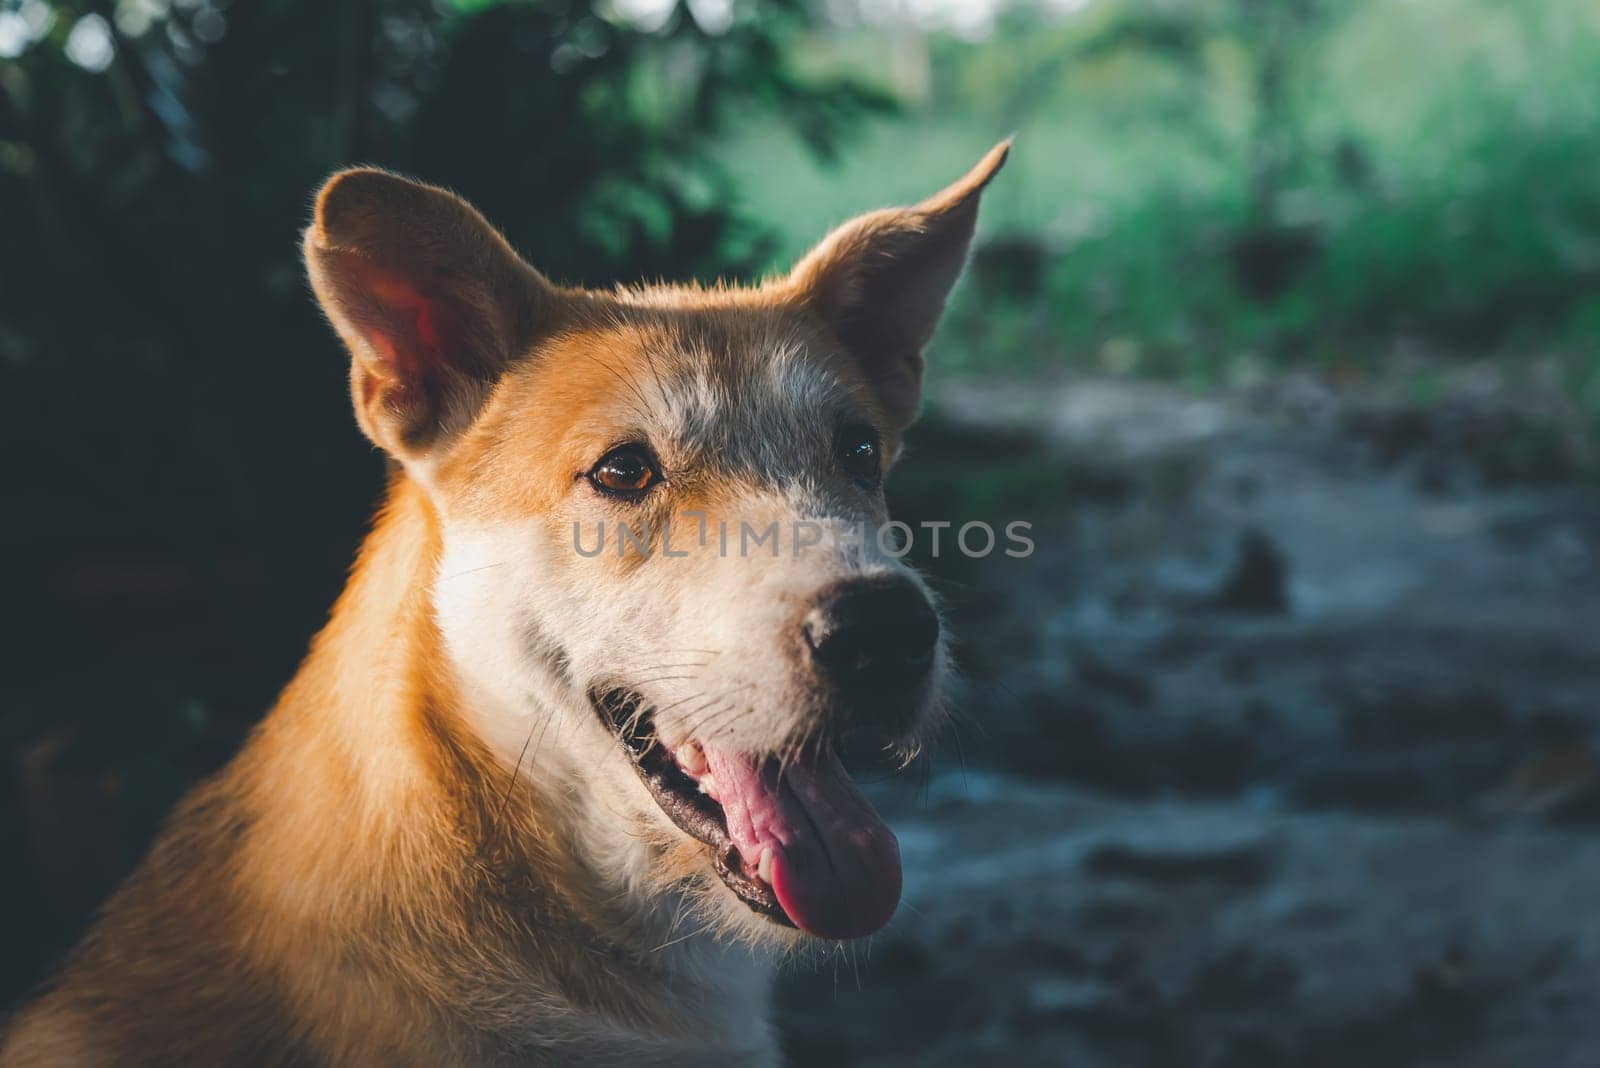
(872, 635)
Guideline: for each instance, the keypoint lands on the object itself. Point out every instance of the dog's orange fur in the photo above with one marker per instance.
(357, 887)
(362, 884)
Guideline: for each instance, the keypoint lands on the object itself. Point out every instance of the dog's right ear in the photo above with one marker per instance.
(429, 298)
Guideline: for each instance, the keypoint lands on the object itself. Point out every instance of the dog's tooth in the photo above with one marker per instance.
(692, 759)
(764, 866)
(708, 786)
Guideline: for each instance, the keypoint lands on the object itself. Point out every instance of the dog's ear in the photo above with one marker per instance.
(880, 281)
(431, 301)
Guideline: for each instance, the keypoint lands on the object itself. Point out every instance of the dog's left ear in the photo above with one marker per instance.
(880, 282)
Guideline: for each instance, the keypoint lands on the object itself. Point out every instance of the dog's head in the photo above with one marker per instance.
(663, 570)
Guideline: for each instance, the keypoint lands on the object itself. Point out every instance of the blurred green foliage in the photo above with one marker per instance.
(1209, 188)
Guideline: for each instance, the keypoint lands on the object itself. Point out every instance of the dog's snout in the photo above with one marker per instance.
(872, 634)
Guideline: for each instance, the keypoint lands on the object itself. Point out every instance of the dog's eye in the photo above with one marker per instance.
(857, 451)
(625, 471)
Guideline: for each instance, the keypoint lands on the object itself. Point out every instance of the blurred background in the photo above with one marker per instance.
(1283, 329)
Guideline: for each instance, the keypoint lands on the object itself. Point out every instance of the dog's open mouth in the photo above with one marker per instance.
(795, 838)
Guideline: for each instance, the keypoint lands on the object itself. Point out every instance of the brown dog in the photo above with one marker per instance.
(529, 802)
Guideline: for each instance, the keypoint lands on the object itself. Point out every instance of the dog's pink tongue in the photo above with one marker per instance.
(835, 863)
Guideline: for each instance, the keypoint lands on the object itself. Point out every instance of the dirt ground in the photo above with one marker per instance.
(1280, 749)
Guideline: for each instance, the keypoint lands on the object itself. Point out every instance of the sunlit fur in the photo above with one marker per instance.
(432, 851)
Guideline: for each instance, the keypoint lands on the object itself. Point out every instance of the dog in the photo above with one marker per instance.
(527, 801)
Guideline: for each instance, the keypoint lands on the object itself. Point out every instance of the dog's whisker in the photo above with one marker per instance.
(469, 571)
(713, 723)
(511, 783)
(698, 729)
(670, 663)
(702, 929)
(720, 698)
(660, 388)
(664, 678)
(691, 716)
(627, 382)
(697, 696)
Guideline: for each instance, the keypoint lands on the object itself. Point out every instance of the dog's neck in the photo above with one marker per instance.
(468, 883)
